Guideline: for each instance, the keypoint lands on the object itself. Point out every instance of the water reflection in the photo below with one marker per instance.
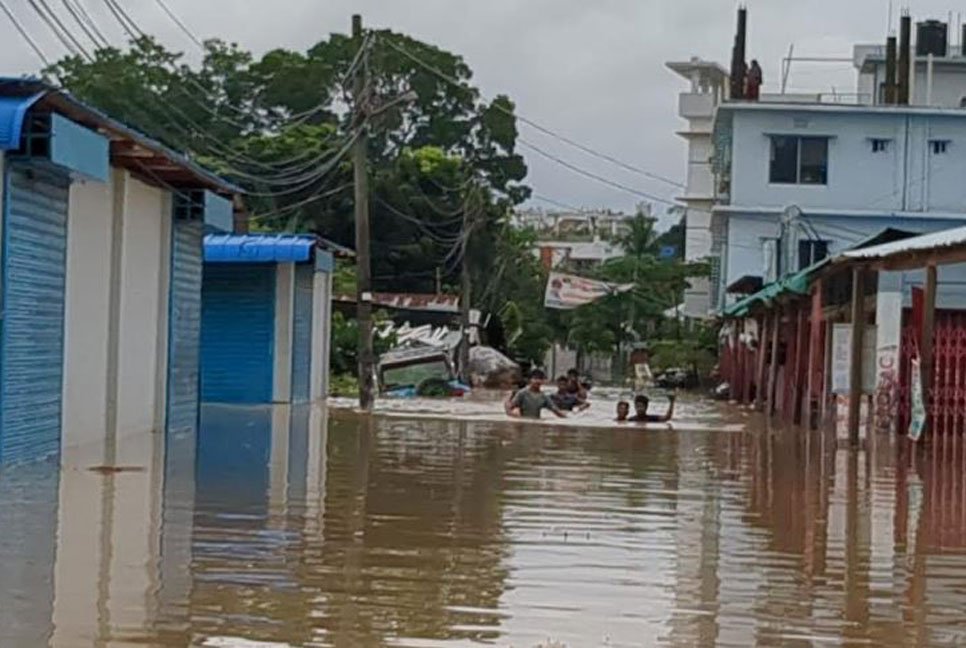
(288, 527)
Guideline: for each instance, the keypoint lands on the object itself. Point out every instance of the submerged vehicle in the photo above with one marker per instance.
(419, 371)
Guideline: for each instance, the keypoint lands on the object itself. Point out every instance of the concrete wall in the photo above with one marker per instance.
(87, 312)
(284, 311)
(744, 253)
(907, 177)
(321, 335)
(145, 251)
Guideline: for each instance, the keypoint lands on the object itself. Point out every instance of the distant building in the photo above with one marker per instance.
(576, 241)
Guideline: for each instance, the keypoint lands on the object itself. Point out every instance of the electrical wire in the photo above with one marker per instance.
(543, 129)
(593, 176)
(181, 25)
(24, 33)
(65, 40)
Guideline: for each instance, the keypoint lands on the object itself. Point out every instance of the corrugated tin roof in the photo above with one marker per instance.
(942, 239)
(52, 97)
(13, 110)
(259, 248)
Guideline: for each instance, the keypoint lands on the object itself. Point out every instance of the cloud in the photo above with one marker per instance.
(593, 70)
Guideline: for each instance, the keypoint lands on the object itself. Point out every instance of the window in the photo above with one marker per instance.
(798, 160)
(810, 252)
(880, 145)
(939, 147)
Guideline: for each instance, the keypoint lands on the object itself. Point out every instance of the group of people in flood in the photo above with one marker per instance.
(572, 396)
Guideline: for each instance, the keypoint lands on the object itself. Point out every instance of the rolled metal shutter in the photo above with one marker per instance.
(184, 327)
(237, 332)
(32, 339)
(302, 333)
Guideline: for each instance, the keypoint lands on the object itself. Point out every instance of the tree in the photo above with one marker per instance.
(611, 322)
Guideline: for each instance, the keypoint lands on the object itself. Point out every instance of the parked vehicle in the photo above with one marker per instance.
(677, 378)
(419, 371)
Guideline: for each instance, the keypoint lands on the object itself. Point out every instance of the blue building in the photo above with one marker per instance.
(266, 309)
(101, 276)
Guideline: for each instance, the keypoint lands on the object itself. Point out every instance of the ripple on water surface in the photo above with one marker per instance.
(296, 527)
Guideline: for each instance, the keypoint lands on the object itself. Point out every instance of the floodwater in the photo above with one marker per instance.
(283, 527)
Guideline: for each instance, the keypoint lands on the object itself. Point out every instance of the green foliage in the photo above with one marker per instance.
(689, 352)
(440, 159)
(345, 342)
(344, 384)
(632, 316)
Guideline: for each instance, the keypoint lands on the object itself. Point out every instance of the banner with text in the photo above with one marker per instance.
(566, 292)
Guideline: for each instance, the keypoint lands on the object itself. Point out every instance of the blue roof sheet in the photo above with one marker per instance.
(15, 90)
(13, 110)
(259, 248)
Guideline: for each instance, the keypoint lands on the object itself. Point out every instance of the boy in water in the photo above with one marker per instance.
(529, 401)
(641, 403)
(623, 410)
(565, 399)
(575, 387)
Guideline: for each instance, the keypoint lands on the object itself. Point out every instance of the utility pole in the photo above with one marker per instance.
(466, 289)
(363, 267)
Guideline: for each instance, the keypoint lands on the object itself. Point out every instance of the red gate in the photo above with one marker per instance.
(946, 401)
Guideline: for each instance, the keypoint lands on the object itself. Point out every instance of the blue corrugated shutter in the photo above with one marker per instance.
(184, 338)
(237, 333)
(32, 340)
(302, 334)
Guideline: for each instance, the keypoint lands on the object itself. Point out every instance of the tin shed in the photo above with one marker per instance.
(100, 257)
(266, 309)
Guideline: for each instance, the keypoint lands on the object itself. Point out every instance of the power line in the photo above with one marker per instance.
(23, 32)
(174, 17)
(543, 129)
(594, 176)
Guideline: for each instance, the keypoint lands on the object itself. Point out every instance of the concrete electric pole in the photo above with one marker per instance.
(363, 263)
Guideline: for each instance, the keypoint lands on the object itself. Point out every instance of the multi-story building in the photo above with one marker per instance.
(697, 105)
(784, 181)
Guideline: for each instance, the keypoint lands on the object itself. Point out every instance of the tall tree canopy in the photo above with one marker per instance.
(275, 124)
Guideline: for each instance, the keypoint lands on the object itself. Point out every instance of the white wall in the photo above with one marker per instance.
(143, 251)
(908, 177)
(744, 255)
(321, 334)
(284, 305)
(87, 312)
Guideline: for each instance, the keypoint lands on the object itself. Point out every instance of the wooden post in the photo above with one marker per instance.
(776, 323)
(813, 384)
(797, 384)
(791, 366)
(855, 365)
(738, 387)
(760, 375)
(926, 343)
(734, 370)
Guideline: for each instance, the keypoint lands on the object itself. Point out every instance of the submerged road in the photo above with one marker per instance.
(305, 527)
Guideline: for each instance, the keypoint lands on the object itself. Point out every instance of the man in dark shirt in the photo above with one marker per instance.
(641, 403)
(529, 401)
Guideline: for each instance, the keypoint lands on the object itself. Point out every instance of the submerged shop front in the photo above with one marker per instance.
(266, 310)
(100, 230)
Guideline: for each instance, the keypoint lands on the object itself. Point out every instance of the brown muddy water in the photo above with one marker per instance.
(299, 527)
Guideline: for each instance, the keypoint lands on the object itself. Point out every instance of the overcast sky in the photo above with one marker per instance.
(591, 69)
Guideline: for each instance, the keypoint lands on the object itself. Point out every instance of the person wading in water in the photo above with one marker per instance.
(530, 401)
(641, 403)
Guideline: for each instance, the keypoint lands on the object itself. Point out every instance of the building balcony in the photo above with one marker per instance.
(696, 105)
